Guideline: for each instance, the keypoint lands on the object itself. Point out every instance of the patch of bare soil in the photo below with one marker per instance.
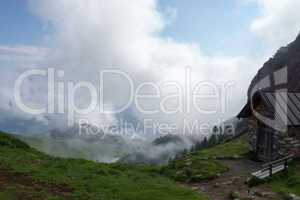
(235, 181)
(7, 178)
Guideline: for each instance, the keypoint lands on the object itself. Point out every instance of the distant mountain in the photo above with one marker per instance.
(289, 57)
(66, 144)
(167, 139)
(160, 150)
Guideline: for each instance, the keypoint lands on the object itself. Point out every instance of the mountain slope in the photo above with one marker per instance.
(205, 164)
(107, 149)
(289, 57)
(28, 174)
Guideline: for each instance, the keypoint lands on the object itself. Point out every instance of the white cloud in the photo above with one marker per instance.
(22, 52)
(93, 35)
(279, 22)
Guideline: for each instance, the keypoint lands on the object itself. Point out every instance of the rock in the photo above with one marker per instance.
(195, 188)
(294, 142)
(235, 195)
(227, 183)
(248, 180)
(264, 194)
(288, 139)
(198, 176)
(292, 197)
(236, 178)
(217, 185)
(296, 145)
(203, 189)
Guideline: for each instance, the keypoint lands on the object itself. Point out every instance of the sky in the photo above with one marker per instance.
(19, 25)
(215, 25)
(151, 40)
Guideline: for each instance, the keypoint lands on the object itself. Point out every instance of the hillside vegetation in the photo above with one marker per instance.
(205, 164)
(26, 173)
(289, 182)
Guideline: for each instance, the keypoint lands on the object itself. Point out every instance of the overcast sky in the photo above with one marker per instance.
(152, 40)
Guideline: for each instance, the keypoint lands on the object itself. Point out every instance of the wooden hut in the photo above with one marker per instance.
(279, 136)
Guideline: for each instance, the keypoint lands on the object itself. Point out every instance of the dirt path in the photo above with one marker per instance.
(24, 181)
(235, 181)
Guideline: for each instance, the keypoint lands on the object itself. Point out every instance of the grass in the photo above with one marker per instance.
(205, 164)
(26, 173)
(231, 150)
(38, 176)
(287, 182)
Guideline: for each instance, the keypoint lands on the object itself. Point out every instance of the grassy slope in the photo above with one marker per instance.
(204, 164)
(76, 148)
(39, 176)
(81, 179)
(231, 150)
(287, 182)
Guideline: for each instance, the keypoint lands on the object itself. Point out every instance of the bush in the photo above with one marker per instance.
(253, 182)
(11, 142)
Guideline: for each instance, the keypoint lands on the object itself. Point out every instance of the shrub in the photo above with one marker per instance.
(11, 142)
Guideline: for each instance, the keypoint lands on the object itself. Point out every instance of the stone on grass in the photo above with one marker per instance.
(235, 195)
(292, 197)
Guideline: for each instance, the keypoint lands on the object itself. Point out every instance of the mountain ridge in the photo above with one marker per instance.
(288, 56)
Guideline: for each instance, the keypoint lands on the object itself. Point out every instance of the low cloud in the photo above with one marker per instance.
(278, 23)
(95, 35)
(90, 36)
(32, 53)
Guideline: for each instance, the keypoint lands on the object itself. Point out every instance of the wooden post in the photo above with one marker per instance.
(271, 169)
(285, 164)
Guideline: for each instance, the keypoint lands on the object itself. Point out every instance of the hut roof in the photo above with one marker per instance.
(280, 73)
(284, 107)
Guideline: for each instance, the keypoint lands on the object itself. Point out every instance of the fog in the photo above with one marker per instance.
(84, 38)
